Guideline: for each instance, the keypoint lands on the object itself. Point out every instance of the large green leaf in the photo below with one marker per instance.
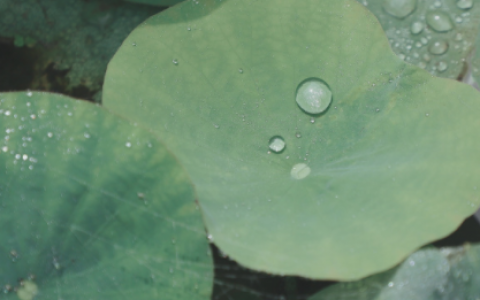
(429, 274)
(92, 207)
(396, 149)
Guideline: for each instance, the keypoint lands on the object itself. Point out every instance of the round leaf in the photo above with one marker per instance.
(92, 207)
(357, 187)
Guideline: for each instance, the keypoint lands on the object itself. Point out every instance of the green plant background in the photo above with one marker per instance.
(67, 52)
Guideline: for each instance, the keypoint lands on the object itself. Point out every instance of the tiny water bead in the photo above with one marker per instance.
(442, 66)
(438, 47)
(399, 8)
(276, 144)
(439, 21)
(175, 61)
(313, 96)
(416, 27)
(300, 171)
(240, 71)
(464, 4)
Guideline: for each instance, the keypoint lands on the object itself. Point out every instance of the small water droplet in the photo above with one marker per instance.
(134, 44)
(427, 114)
(25, 157)
(312, 120)
(216, 126)
(377, 110)
(391, 284)
(442, 66)
(276, 144)
(33, 117)
(175, 62)
(189, 28)
(300, 171)
(399, 8)
(401, 56)
(416, 27)
(438, 47)
(128, 144)
(464, 4)
(56, 264)
(210, 238)
(18, 156)
(49, 134)
(14, 255)
(298, 135)
(7, 113)
(4, 148)
(29, 93)
(86, 135)
(411, 263)
(313, 96)
(439, 21)
(240, 71)
(458, 20)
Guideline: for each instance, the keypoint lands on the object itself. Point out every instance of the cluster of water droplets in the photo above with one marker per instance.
(436, 35)
(313, 97)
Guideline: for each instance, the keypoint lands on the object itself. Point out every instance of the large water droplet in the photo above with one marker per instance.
(438, 47)
(300, 171)
(313, 96)
(399, 8)
(416, 27)
(276, 144)
(439, 21)
(465, 4)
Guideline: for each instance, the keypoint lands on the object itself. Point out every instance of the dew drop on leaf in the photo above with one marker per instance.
(464, 4)
(276, 144)
(313, 96)
(439, 21)
(399, 8)
(300, 171)
(442, 66)
(438, 47)
(416, 27)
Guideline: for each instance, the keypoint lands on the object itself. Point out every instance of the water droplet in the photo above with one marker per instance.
(175, 62)
(399, 8)
(189, 29)
(140, 195)
(128, 144)
(416, 27)
(86, 135)
(411, 263)
(7, 113)
(313, 96)
(25, 157)
(33, 117)
(439, 21)
(298, 135)
(49, 134)
(56, 264)
(458, 19)
(210, 237)
(29, 93)
(391, 284)
(442, 66)
(438, 47)
(17, 156)
(134, 44)
(4, 148)
(401, 56)
(240, 71)
(312, 120)
(216, 126)
(300, 171)
(14, 255)
(464, 4)
(276, 144)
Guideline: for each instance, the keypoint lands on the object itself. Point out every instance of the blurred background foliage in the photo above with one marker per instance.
(63, 45)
